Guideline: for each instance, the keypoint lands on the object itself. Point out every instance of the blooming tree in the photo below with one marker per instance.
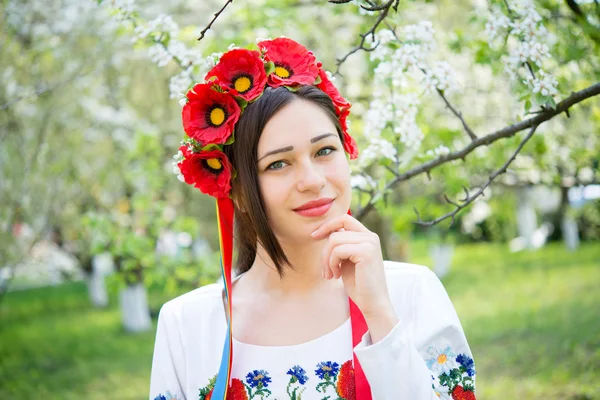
(510, 38)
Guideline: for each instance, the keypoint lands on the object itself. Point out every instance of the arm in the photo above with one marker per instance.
(424, 357)
(167, 381)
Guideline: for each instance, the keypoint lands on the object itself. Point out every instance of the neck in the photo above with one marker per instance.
(304, 275)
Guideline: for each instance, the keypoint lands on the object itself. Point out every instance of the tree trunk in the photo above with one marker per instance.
(134, 308)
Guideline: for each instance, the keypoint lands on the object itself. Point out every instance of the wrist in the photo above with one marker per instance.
(381, 322)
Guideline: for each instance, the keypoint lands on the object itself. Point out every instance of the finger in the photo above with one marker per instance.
(345, 222)
(352, 252)
(338, 238)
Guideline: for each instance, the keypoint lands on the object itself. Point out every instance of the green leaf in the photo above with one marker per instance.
(241, 102)
(230, 139)
(269, 67)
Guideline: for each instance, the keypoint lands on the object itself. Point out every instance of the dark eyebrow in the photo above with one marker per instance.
(290, 148)
(323, 136)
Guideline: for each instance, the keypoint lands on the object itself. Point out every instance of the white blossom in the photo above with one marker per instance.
(543, 83)
(362, 182)
(159, 55)
(527, 44)
(496, 25)
(179, 84)
(441, 150)
(440, 76)
(163, 24)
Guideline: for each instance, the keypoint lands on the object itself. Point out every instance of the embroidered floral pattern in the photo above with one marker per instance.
(453, 374)
(340, 379)
(297, 380)
(259, 380)
(167, 396)
(336, 383)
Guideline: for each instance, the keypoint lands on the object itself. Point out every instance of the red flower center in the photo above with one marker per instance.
(283, 71)
(243, 83)
(216, 116)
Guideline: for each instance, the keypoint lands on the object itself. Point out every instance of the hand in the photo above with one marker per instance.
(354, 253)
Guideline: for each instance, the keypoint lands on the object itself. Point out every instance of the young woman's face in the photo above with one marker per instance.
(301, 159)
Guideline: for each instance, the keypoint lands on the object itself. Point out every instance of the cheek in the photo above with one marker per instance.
(340, 173)
(273, 193)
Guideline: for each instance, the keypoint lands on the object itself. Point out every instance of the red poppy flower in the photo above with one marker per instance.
(346, 388)
(328, 87)
(209, 116)
(349, 143)
(294, 64)
(237, 390)
(459, 393)
(210, 171)
(242, 71)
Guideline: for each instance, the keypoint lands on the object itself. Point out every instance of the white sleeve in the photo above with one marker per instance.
(167, 380)
(426, 358)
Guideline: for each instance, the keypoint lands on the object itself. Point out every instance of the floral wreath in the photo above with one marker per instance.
(213, 108)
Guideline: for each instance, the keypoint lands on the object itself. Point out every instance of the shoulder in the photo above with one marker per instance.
(406, 274)
(410, 285)
(196, 302)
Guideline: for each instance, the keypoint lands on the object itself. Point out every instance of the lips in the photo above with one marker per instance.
(315, 208)
(314, 204)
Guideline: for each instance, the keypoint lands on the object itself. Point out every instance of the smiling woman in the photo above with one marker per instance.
(282, 135)
(318, 313)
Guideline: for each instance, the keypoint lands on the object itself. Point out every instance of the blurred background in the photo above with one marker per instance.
(97, 231)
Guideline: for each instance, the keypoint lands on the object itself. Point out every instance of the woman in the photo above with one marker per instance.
(318, 313)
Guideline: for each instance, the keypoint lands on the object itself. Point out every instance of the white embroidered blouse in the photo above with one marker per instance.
(425, 356)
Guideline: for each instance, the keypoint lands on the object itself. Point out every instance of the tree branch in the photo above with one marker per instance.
(458, 115)
(470, 198)
(217, 14)
(385, 9)
(506, 132)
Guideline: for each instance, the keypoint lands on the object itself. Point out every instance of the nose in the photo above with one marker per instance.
(310, 177)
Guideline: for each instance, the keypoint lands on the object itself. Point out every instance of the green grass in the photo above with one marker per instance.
(532, 320)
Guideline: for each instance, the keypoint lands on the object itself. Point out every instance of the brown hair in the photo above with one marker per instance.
(251, 225)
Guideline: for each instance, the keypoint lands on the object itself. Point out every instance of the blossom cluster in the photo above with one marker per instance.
(161, 33)
(527, 41)
(403, 64)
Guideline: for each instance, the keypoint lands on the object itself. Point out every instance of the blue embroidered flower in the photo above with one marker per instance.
(467, 363)
(160, 397)
(327, 369)
(258, 379)
(299, 373)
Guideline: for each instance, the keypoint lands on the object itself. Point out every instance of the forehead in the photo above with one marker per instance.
(294, 124)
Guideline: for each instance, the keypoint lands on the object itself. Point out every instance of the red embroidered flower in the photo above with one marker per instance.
(210, 171)
(328, 87)
(459, 393)
(242, 71)
(209, 395)
(209, 116)
(294, 64)
(345, 385)
(349, 143)
(237, 390)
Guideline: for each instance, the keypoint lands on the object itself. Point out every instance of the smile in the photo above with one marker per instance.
(315, 209)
